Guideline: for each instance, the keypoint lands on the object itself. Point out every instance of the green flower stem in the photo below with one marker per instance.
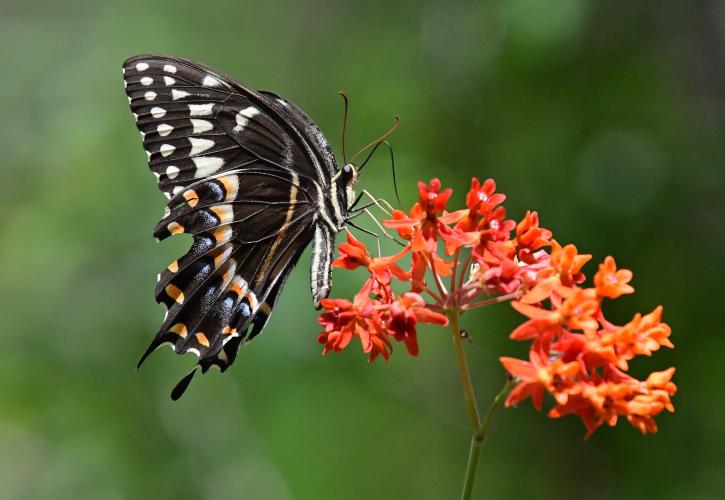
(480, 429)
(463, 371)
(495, 405)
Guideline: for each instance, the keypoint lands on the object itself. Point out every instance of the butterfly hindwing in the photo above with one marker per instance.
(230, 305)
(243, 235)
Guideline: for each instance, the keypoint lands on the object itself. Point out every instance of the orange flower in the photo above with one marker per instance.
(338, 314)
(374, 316)
(542, 286)
(530, 237)
(603, 400)
(538, 376)
(534, 328)
(568, 263)
(481, 200)
(496, 269)
(576, 312)
(641, 336)
(354, 254)
(563, 273)
(425, 223)
(600, 392)
(430, 197)
(403, 224)
(343, 320)
(405, 313)
(653, 398)
(610, 282)
(455, 238)
(423, 215)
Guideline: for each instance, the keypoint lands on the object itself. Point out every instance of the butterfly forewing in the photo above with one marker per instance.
(249, 176)
(195, 122)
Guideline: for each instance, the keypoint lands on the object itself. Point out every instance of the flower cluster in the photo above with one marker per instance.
(376, 314)
(579, 357)
(476, 257)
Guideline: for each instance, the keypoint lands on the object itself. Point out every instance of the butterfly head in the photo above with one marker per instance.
(348, 176)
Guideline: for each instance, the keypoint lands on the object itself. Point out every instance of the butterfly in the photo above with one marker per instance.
(252, 178)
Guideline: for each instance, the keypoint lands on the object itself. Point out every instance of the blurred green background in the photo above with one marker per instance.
(607, 117)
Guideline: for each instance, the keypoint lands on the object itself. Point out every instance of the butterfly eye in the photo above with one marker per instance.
(348, 172)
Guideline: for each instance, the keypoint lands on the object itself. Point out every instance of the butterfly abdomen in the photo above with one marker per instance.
(321, 264)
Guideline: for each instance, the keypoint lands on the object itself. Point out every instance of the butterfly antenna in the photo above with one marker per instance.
(379, 139)
(392, 163)
(344, 126)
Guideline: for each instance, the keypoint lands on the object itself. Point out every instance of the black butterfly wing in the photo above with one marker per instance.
(244, 180)
(196, 122)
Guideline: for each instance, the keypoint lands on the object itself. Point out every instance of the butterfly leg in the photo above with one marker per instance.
(366, 231)
(387, 209)
(377, 223)
(357, 211)
(365, 210)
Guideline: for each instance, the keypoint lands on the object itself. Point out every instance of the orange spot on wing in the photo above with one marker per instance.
(191, 198)
(175, 293)
(174, 266)
(231, 186)
(238, 286)
(252, 299)
(201, 338)
(228, 274)
(223, 253)
(224, 213)
(179, 329)
(222, 234)
(175, 228)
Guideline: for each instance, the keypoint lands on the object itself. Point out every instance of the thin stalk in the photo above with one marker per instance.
(424, 288)
(456, 256)
(463, 371)
(491, 301)
(436, 277)
(480, 428)
(495, 405)
(479, 437)
(466, 266)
